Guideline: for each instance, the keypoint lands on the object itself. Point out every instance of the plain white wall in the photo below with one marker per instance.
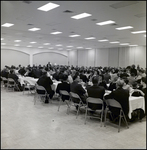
(13, 57)
(72, 56)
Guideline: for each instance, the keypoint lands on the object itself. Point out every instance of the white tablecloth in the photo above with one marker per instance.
(134, 103)
(31, 80)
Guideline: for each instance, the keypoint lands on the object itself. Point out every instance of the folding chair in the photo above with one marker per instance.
(64, 93)
(4, 81)
(12, 84)
(116, 104)
(94, 104)
(29, 87)
(76, 101)
(41, 96)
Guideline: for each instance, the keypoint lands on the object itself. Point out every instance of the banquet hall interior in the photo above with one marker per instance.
(70, 37)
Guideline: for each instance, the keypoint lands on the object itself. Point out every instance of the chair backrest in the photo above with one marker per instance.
(11, 81)
(63, 92)
(94, 103)
(4, 78)
(75, 97)
(40, 88)
(113, 103)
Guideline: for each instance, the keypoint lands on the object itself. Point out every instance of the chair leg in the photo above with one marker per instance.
(85, 115)
(59, 104)
(125, 120)
(101, 117)
(77, 111)
(105, 117)
(120, 116)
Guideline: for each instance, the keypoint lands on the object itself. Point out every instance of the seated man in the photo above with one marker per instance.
(13, 76)
(95, 91)
(122, 96)
(77, 88)
(46, 82)
(64, 86)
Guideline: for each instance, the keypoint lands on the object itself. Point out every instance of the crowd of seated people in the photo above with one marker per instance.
(79, 77)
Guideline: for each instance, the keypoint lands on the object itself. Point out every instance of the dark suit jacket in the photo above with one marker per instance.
(46, 82)
(22, 71)
(63, 86)
(4, 74)
(112, 86)
(14, 77)
(122, 96)
(78, 89)
(84, 78)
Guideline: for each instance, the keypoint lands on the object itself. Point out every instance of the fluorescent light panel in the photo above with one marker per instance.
(76, 35)
(133, 45)
(34, 29)
(46, 44)
(48, 6)
(29, 46)
(60, 48)
(103, 40)
(69, 46)
(59, 45)
(123, 28)
(7, 25)
(50, 48)
(16, 45)
(105, 22)
(33, 42)
(80, 16)
(40, 47)
(17, 41)
(79, 47)
(90, 38)
(114, 42)
(124, 44)
(88, 48)
(136, 32)
(56, 32)
(68, 49)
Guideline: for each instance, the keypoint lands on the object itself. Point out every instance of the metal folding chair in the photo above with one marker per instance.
(11, 84)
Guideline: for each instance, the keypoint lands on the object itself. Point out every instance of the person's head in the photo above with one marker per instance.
(64, 77)
(126, 80)
(134, 85)
(76, 77)
(11, 71)
(119, 83)
(95, 80)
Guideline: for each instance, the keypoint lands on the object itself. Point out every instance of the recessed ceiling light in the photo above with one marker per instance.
(2, 39)
(69, 46)
(88, 48)
(16, 45)
(123, 28)
(79, 47)
(3, 43)
(76, 35)
(48, 6)
(59, 45)
(114, 42)
(136, 32)
(124, 44)
(29, 46)
(105, 22)
(7, 25)
(40, 47)
(33, 42)
(17, 41)
(80, 16)
(133, 45)
(90, 38)
(56, 32)
(46, 44)
(34, 29)
(103, 40)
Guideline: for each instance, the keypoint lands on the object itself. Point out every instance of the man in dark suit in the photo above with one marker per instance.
(46, 82)
(13, 76)
(95, 91)
(122, 96)
(83, 76)
(64, 86)
(77, 88)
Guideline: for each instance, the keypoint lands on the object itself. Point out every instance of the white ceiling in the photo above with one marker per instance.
(21, 14)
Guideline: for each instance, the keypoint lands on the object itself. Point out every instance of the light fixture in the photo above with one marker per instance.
(50, 48)
(46, 44)
(17, 41)
(123, 28)
(68, 49)
(16, 45)
(79, 47)
(56, 32)
(90, 38)
(3, 43)
(80, 16)
(48, 6)
(29, 46)
(88, 48)
(133, 45)
(76, 35)
(103, 40)
(7, 25)
(59, 45)
(2, 39)
(40, 47)
(34, 29)
(33, 42)
(124, 44)
(114, 42)
(69, 46)
(105, 22)
(145, 35)
(136, 32)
